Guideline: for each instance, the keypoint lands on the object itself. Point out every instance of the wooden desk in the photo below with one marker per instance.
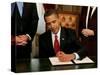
(36, 65)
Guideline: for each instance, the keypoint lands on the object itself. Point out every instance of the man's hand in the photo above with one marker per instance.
(21, 40)
(87, 32)
(24, 37)
(65, 57)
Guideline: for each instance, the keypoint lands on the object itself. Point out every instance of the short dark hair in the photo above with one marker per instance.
(50, 12)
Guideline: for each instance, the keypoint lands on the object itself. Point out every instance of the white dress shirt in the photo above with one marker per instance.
(58, 37)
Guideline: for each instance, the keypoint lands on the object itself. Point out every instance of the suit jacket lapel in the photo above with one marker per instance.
(16, 10)
(18, 20)
(50, 44)
(62, 38)
(27, 7)
(24, 9)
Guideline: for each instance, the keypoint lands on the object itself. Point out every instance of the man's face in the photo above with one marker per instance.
(53, 23)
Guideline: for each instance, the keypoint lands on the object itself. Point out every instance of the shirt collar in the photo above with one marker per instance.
(20, 7)
(58, 34)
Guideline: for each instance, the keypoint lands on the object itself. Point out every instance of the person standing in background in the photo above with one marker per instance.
(89, 35)
(24, 21)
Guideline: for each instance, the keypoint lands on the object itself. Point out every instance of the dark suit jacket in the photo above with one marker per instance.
(91, 41)
(92, 21)
(68, 44)
(27, 24)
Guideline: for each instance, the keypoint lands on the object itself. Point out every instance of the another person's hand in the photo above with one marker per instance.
(21, 40)
(87, 32)
(24, 37)
(65, 57)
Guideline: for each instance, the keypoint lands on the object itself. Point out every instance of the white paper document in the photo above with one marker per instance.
(55, 61)
(84, 60)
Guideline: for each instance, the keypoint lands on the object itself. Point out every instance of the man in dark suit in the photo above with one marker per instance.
(89, 35)
(24, 20)
(92, 22)
(58, 41)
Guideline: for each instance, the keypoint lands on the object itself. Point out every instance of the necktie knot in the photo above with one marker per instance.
(56, 36)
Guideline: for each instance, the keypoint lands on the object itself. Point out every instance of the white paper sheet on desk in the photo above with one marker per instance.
(55, 61)
(85, 60)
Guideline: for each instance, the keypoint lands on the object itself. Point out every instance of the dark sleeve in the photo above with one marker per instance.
(41, 48)
(76, 44)
(34, 22)
(81, 50)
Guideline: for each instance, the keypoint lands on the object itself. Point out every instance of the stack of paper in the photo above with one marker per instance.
(55, 61)
(85, 60)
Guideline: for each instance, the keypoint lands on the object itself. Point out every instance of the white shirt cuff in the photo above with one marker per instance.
(28, 36)
(76, 56)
